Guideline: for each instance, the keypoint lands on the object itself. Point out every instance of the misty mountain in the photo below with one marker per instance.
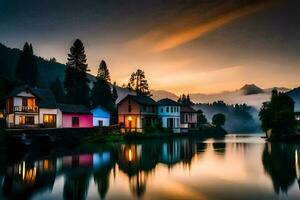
(250, 89)
(161, 94)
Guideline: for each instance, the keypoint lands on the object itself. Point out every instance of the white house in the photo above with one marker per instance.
(169, 114)
(101, 116)
(31, 107)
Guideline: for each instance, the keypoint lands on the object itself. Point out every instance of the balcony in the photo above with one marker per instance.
(26, 109)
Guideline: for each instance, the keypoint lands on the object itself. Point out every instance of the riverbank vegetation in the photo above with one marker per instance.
(278, 118)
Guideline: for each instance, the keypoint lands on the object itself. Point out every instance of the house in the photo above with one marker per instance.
(188, 118)
(168, 112)
(101, 116)
(31, 107)
(136, 112)
(75, 116)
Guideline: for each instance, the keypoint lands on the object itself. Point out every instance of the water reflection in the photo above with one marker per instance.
(85, 172)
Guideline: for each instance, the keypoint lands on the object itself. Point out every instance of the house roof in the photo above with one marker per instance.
(45, 96)
(140, 99)
(187, 109)
(167, 102)
(72, 108)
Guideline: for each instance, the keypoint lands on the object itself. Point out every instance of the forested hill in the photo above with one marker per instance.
(48, 71)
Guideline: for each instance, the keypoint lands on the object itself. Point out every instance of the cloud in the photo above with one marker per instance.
(182, 28)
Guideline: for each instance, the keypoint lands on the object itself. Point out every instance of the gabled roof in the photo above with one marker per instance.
(187, 109)
(140, 99)
(167, 102)
(45, 96)
(72, 108)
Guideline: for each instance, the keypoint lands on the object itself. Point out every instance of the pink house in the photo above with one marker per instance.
(75, 116)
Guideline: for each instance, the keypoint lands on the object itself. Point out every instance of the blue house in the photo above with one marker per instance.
(101, 116)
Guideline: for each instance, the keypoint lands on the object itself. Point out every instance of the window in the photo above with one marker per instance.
(49, 120)
(75, 121)
(129, 108)
(162, 110)
(171, 109)
(100, 123)
(167, 109)
(26, 120)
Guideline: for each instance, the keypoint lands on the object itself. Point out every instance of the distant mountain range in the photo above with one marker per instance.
(249, 94)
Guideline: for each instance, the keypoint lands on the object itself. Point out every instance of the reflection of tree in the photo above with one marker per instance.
(219, 147)
(137, 183)
(279, 163)
(76, 187)
(102, 181)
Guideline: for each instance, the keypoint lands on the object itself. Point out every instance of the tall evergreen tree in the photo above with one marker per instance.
(101, 93)
(58, 91)
(115, 93)
(103, 72)
(76, 81)
(27, 69)
(138, 83)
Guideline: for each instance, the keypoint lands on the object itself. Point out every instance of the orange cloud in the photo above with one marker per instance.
(192, 33)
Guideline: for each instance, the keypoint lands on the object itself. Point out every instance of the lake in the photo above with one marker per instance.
(236, 167)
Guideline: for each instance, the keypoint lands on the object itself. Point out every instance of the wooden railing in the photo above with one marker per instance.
(27, 109)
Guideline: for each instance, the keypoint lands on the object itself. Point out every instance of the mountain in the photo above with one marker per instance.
(249, 94)
(250, 89)
(160, 94)
(47, 71)
(295, 95)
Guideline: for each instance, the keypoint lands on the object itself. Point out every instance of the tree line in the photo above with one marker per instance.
(76, 88)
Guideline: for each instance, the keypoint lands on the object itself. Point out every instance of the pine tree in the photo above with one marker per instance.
(138, 83)
(58, 91)
(27, 69)
(115, 93)
(103, 72)
(101, 93)
(76, 81)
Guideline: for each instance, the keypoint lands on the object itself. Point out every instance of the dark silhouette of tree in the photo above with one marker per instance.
(279, 162)
(278, 115)
(76, 187)
(185, 100)
(201, 119)
(53, 59)
(218, 120)
(57, 88)
(76, 81)
(27, 69)
(115, 93)
(103, 72)
(138, 83)
(101, 93)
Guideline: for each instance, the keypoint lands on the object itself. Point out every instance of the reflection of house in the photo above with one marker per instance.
(31, 107)
(101, 117)
(188, 117)
(136, 112)
(75, 116)
(169, 114)
(26, 178)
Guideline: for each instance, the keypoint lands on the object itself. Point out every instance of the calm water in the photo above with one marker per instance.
(238, 167)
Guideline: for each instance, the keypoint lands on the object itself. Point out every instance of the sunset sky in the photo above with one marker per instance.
(183, 45)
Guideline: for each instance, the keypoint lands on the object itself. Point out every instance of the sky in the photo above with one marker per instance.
(184, 46)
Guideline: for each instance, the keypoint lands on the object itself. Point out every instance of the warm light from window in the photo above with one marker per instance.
(129, 118)
(1, 116)
(130, 155)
